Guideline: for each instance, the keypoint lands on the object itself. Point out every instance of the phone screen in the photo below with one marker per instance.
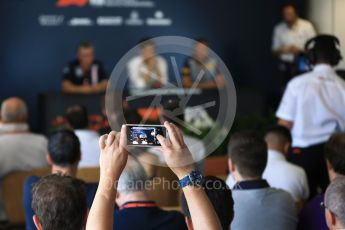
(144, 135)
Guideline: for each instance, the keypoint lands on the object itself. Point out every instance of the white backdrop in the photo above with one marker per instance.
(328, 16)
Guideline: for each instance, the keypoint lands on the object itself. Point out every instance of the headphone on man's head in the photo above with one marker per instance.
(328, 44)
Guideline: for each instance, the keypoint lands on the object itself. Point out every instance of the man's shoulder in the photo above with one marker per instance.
(25, 137)
(304, 22)
(73, 63)
(30, 181)
(134, 61)
(280, 26)
(301, 79)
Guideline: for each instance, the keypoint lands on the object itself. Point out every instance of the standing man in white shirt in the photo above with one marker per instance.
(313, 107)
(20, 150)
(280, 173)
(147, 70)
(289, 38)
(77, 117)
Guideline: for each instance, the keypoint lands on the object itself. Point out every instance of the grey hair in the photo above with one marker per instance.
(335, 198)
(133, 177)
(13, 110)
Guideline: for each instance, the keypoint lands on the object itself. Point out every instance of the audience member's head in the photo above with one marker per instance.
(131, 182)
(201, 50)
(59, 202)
(290, 15)
(64, 150)
(77, 117)
(171, 111)
(278, 138)
(247, 153)
(14, 110)
(335, 204)
(335, 155)
(147, 48)
(86, 54)
(323, 49)
(221, 198)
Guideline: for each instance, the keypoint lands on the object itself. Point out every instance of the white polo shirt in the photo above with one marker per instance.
(298, 35)
(137, 69)
(280, 173)
(89, 148)
(315, 103)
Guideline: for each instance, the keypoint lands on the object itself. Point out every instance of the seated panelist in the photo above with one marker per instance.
(147, 70)
(201, 69)
(84, 75)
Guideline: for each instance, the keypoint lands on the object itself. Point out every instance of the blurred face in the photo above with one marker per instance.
(200, 51)
(86, 56)
(148, 52)
(289, 15)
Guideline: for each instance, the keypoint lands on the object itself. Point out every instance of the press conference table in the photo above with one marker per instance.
(53, 104)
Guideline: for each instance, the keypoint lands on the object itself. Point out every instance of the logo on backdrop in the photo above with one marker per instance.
(156, 18)
(106, 3)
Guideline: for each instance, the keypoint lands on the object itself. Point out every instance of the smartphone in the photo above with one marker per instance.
(144, 135)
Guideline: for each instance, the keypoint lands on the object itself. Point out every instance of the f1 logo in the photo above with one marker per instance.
(64, 3)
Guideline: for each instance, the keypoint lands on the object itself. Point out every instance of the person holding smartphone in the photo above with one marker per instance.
(113, 159)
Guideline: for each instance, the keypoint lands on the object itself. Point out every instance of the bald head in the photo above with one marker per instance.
(13, 110)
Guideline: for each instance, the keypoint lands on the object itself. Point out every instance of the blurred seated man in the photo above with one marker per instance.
(311, 216)
(59, 202)
(78, 119)
(334, 204)
(147, 70)
(220, 196)
(201, 69)
(85, 75)
(257, 205)
(63, 157)
(136, 210)
(279, 173)
(20, 150)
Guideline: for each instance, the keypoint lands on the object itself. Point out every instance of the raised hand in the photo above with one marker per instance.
(175, 151)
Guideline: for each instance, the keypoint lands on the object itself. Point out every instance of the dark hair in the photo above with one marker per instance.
(64, 147)
(290, 4)
(323, 48)
(221, 198)
(202, 41)
(281, 132)
(84, 45)
(60, 202)
(146, 41)
(248, 151)
(77, 117)
(335, 152)
(172, 111)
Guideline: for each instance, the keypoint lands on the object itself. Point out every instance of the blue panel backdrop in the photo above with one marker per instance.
(32, 56)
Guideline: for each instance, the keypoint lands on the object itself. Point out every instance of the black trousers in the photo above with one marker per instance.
(313, 161)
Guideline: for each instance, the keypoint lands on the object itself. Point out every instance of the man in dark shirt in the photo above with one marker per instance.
(312, 216)
(136, 210)
(84, 75)
(64, 156)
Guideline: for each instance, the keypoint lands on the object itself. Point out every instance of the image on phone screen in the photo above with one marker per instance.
(144, 135)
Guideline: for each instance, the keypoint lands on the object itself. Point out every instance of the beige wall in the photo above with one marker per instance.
(328, 16)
